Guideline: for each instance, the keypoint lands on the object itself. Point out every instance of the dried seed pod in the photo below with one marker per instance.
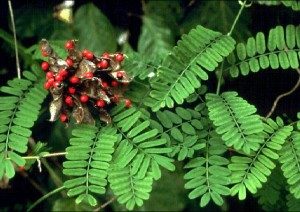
(82, 81)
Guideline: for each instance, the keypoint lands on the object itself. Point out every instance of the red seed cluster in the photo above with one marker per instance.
(84, 79)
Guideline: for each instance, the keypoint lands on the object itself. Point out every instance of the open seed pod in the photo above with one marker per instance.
(83, 81)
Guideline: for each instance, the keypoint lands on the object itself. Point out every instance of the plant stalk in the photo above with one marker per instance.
(229, 33)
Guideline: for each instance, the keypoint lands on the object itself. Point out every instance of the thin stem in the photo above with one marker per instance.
(237, 18)
(45, 197)
(229, 33)
(11, 13)
(45, 156)
(105, 204)
(294, 88)
(220, 78)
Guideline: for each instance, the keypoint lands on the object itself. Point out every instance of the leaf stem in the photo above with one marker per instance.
(11, 13)
(243, 4)
(45, 197)
(45, 156)
(294, 88)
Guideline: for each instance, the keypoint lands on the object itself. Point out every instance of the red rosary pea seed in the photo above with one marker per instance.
(74, 80)
(119, 57)
(87, 54)
(63, 73)
(47, 85)
(89, 75)
(84, 98)
(104, 85)
(105, 55)
(49, 75)
(45, 66)
(127, 103)
(63, 117)
(103, 64)
(59, 78)
(70, 44)
(69, 100)
(70, 62)
(45, 54)
(71, 90)
(51, 81)
(115, 98)
(101, 103)
(119, 75)
(114, 84)
(56, 84)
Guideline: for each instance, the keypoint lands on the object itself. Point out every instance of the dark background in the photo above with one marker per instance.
(260, 89)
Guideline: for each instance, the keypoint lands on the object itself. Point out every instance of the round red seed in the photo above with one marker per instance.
(103, 64)
(74, 80)
(127, 103)
(89, 75)
(119, 75)
(88, 54)
(115, 98)
(59, 78)
(49, 75)
(47, 85)
(71, 90)
(69, 100)
(70, 44)
(114, 83)
(101, 103)
(63, 73)
(45, 66)
(104, 85)
(56, 84)
(69, 62)
(84, 98)
(51, 81)
(63, 117)
(45, 54)
(119, 57)
(105, 55)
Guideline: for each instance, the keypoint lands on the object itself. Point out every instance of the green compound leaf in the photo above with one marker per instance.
(278, 49)
(249, 173)
(235, 120)
(183, 70)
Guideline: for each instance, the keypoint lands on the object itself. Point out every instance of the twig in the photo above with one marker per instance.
(45, 197)
(44, 156)
(283, 95)
(105, 204)
(243, 4)
(11, 13)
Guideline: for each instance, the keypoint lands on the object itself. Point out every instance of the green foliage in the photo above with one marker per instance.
(130, 188)
(94, 30)
(224, 146)
(217, 15)
(19, 109)
(139, 146)
(209, 176)
(88, 161)
(182, 131)
(249, 173)
(156, 39)
(290, 160)
(235, 121)
(182, 71)
(278, 51)
(271, 195)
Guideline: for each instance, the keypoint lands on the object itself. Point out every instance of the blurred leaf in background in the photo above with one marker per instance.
(94, 30)
(219, 16)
